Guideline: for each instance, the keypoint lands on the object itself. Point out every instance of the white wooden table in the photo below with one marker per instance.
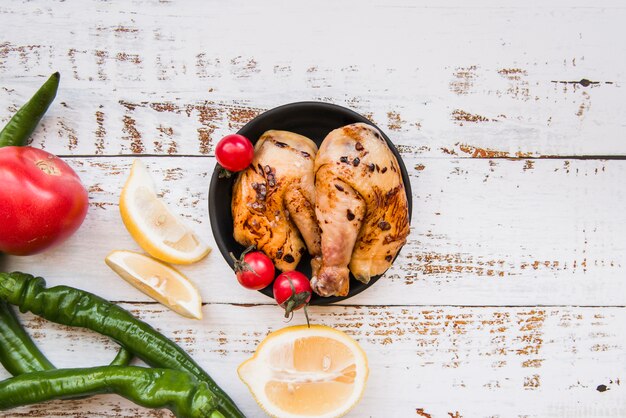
(509, 299)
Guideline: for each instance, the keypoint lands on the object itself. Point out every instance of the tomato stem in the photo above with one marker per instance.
(306, 314)
(296, 300)
(240, 264)
(223, 173)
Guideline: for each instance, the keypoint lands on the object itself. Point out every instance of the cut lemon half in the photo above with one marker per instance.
(306, 372)
(157, 280)
(156, 229)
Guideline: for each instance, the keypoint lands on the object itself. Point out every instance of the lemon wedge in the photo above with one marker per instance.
(157, 280)
(156, 229)
(306, 372)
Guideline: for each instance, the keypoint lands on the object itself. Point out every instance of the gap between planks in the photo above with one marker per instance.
(498, 157)
(386, 305)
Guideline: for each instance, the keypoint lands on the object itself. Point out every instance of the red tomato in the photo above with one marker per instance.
(254, 270)
(292, 291)
(234, 152)
(42, 201)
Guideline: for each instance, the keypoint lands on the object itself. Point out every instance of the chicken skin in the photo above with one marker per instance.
(273, 203)
(361, 207)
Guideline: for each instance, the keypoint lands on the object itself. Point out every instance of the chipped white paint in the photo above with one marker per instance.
(474, 361)
(458, 87)
(484, 232)
(413, 68)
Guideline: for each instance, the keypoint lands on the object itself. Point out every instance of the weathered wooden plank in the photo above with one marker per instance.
(502, 80)
(484, 232)
(472, 362)
(488, 80)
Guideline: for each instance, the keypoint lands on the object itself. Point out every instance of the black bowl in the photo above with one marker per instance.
(313, 120)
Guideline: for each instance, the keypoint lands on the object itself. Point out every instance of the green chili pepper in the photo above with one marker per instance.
(74, 307)
(152, 388)
(123, 358)
(24, 122)
(18, 353)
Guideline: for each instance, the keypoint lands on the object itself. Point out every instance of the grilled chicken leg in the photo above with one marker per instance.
(361, 207)
(273, 202)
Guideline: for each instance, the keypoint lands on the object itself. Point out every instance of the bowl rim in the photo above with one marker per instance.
(212, 203)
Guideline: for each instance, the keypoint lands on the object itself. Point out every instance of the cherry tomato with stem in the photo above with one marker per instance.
(254, 269)
(234, 152)
(292, 291)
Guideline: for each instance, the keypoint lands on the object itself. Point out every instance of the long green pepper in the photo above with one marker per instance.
(123, 358)
(152, 388)
(74, 307)
(23, 123)
(18, 352)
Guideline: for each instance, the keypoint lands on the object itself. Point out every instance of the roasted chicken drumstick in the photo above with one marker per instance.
(361, 207)
(273, 202)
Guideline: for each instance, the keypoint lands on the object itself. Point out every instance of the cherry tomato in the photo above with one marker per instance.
(42, 201)
(254, 269)
(292, 291)
(234, 152)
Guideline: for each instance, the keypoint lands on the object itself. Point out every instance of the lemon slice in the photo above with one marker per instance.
(155, 228)
(306, 372)
(162, 283)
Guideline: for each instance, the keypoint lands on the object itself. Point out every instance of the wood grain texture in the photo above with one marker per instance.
(475, 362)
(509, 298)
(530, 81)
(484, 232)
